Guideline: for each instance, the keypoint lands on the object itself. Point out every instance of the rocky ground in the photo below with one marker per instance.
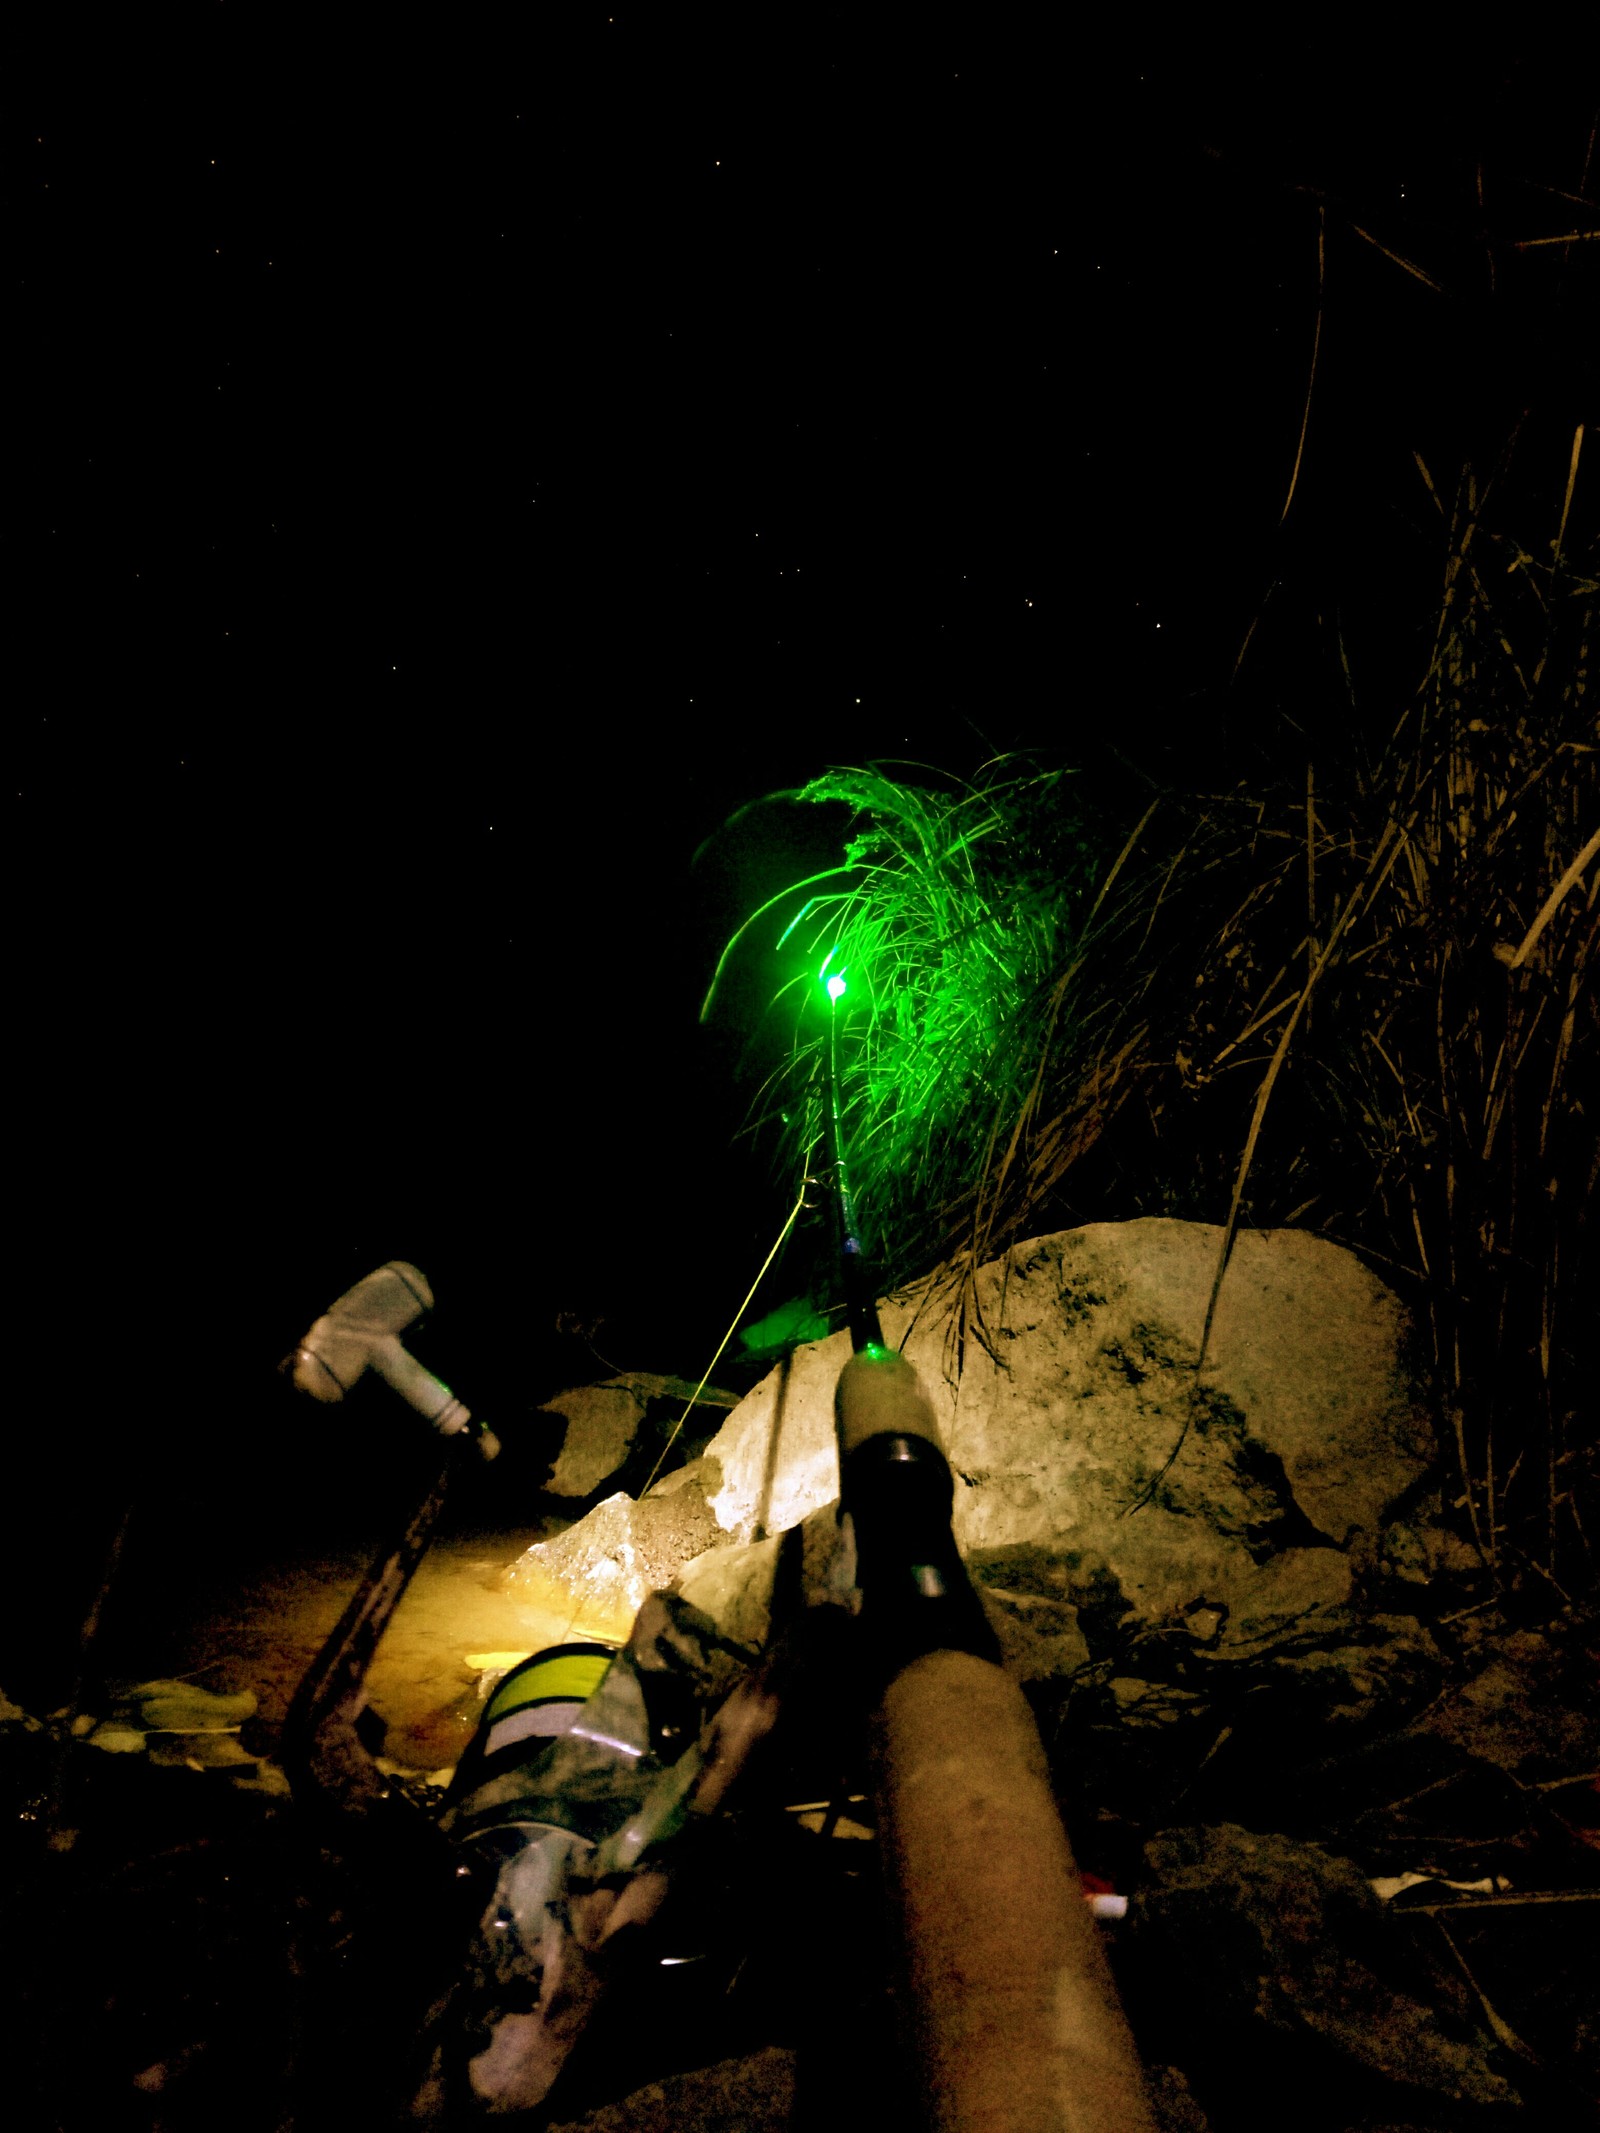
(1345, 1776)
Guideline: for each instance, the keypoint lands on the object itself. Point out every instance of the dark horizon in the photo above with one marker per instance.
(447, 499)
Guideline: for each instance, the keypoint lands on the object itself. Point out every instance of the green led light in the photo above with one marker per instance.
(835, 986)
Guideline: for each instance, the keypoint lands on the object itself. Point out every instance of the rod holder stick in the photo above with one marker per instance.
(327, 1763)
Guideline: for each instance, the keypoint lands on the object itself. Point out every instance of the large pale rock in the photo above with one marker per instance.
(598, 1574)
(1076, 1385)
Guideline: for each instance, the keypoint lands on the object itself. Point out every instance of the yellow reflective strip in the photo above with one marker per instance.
(574, 1678)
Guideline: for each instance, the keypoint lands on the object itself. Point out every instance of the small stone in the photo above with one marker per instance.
(750, 2095)
(1040, 1638)
(1527, 1705)
(1403, 1555)
(213, 1751)
(1173, 2102)
(269, 1779)
(1152, 1703)
(1204, 1624)
(734, 1587)
(602, 1423)
(1239, 1928)
(182, 1707)
(116, 1737)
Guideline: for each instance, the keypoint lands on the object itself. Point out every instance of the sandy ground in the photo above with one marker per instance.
(259, 1628)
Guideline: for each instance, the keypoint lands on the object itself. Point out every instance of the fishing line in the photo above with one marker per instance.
(794, 1212)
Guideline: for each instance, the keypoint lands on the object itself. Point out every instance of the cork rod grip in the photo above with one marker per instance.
(1016, 2026)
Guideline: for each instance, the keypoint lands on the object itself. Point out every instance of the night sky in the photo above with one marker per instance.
(457, 474)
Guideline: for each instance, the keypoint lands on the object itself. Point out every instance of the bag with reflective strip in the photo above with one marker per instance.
(540, 1697)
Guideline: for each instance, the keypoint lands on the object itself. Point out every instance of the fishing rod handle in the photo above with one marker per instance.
(1016, 2023)
(895, 1491)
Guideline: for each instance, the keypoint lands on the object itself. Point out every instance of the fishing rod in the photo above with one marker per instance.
(861, 1308)
(896, 1489)
(1015, 2022)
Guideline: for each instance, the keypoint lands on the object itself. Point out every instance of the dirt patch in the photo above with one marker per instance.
(260, 1627)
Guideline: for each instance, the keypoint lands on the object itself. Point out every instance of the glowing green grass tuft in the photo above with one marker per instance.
(958, 903)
